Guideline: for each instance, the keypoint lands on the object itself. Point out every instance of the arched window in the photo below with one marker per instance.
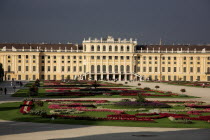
(110, 68)
(116, 48)
(128, 48)
(110, 48)
(116, 68)
(92, 48)
(9, 68)
(121, 48)
(122, 68)
(92, 68)
(127, 68)
(98, 48)
(104, 48)
(98, 68)
(104, 68)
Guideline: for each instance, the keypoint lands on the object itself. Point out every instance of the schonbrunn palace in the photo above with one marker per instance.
(105, 59)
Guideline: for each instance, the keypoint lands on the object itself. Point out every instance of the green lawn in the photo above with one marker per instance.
(10, 111)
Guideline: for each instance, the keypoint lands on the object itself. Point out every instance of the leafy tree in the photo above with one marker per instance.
(1, 72)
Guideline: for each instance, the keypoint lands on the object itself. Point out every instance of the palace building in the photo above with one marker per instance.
(105, 59)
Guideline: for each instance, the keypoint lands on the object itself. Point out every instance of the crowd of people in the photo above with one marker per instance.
(3, 90)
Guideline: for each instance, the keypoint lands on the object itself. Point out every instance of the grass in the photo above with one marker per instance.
(10, 111)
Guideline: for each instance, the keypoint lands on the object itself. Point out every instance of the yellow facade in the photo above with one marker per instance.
(106, 59)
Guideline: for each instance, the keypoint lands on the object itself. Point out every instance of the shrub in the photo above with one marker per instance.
(126, 82)
(125, 100)
(140, 98)
(39, 103)
(183, 90)
(39, 112)
(146, 88)
(157, 87)
(139, 84)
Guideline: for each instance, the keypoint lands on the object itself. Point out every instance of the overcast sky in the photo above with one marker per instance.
(53, 21)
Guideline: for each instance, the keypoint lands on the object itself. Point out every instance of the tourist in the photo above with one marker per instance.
(11, 83)
(1, 90)
(5, 91)
(14, 88)
(203, 85)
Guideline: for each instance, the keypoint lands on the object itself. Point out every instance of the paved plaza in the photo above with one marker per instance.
(10, 130)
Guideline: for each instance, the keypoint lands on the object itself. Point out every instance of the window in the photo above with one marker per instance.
(42, 56)
(169, 58)
(116, 57)
(80, 57)
(98, 68)
(75, 68)
(191, 78)
(26, 68)
(98, 48)
(19, 77)
(74, 57)
(185, 58)
(175, 78)
(122, 68)
(150, 58)
(84, 47)
(54, 77)
(92, 69)
(128, 48)
(53, 61)
(116, 48)
(191, 69)
(110, 68)
(62, 57)
(156, 58)
(144, 58)
(169, 78)
(163, 69)
(62, 77)
(8, 56)
(26, 56)
(62, 62)
(174, 58)
(98, 57)
(169, 69)
(138, 69)
(9, 68)
(68, 68)
(121, 57)
(34, 57)
(19, 68)
(104, 57)
(208, 58)
(104, 68)
(198, 78)
(127, 57)
(174, 69)
(92, 57)
(62, 68)
(54, 57)
(184, 69)
(34, 77)
(34, 68)
(163, 58)
(121, 48)
(110, 48)
(156, 69)
(110, 57)
(26, 77)
(150, 69)
(19, 61)
(48, 68)
(54, 69)
(127, 68)
(116, 68)
(191, 58)
(48, 57)
(144, 69)
(198, 58)
(104, 48)
(198, 69)
(19, 56)
(92, 48)
(42, 68)
(80, 68)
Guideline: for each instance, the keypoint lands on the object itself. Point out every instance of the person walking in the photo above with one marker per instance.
(5, 91)
(1, 90)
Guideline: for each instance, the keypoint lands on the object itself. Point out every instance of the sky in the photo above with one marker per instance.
(148, 21)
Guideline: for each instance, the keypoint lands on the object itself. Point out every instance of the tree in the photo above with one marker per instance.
(183, 90)
(157, 87)
(1, 72)
(139, 84)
